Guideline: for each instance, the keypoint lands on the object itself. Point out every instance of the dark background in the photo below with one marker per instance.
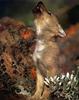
(21, 9)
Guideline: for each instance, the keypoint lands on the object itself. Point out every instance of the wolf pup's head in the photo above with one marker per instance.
(44, 20)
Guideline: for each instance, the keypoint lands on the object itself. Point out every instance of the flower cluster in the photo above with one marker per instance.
(66, 86)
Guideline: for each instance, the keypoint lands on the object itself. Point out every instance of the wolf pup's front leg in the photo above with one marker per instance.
(39, 86)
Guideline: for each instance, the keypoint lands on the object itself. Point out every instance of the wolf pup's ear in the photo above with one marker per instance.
(61, 32)
(39, 8)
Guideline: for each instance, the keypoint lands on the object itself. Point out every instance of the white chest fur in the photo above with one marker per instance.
(40, 46)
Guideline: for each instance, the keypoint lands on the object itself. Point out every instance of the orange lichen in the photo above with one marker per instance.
(26, 34)
(33, 73)
(72, 30)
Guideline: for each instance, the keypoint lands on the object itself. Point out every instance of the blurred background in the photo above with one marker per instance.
(22, 10)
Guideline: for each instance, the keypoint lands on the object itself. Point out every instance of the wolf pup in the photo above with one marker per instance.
(46, 54)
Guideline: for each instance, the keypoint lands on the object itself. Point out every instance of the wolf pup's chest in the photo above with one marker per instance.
(40, 46)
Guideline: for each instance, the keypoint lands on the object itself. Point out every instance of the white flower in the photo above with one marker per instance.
(63, 76)
(58, 78)
(60, 83)
(46, 79)
(55, 77)
(67, 75)
(51, 79)
(46, 83)
(75, 79)
(71, 77)
(69, 82)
